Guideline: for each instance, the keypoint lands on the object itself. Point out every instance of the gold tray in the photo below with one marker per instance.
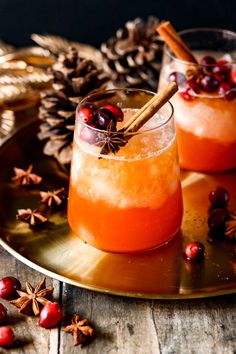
(55, 251)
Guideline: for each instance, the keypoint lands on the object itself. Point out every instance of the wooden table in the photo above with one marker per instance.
(125, 325)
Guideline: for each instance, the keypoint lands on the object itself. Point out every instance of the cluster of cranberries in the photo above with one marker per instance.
(211, 77)
(218, 215)
(101, 118)
(50, 315)
(219, 198)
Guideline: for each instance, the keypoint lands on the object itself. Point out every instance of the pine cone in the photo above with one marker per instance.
(133, 57)
(73, 79)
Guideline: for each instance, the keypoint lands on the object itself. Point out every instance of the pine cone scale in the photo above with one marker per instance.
(134, 48)
(74, 78)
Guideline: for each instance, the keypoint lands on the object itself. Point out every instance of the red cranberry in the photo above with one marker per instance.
(222, 70)
(103, 118)
(188, 90)
(88, 134)
(233, 77)
(117, 112)
(223, 88)
(219, 197)
(194, 251)
(8, 287)
(207, 62)
(3, 313)
(209, 83)
(187, 94)
(230, 94)
(177, 77)
(193, 85)
(7, 337)
(86, 115)
(226, 66)
(50, 315)
(216, 220)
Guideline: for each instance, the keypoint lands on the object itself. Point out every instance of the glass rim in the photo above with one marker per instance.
(198, 29)
(114, 90)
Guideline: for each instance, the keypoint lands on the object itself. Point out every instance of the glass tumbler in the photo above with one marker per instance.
(130, 201)
(205, 106)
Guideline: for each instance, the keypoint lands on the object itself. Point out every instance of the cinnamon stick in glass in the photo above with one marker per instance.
(175, 43)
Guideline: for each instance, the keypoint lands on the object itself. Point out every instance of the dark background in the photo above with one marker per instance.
(94, 21)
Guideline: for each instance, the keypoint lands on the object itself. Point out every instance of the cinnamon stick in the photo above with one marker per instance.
(176, 44)
(150, 108)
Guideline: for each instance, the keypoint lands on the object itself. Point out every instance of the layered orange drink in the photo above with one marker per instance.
(127, 199)
(205, 107)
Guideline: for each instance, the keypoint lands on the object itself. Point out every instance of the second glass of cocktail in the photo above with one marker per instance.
(129, 201)
(205, 107)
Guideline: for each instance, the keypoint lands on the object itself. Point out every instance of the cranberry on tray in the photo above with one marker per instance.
(194, 251)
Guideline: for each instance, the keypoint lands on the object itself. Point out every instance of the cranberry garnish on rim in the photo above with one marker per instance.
(117, 111)
(233, 78)
(230, 94)
(222, 70)
(223, 88)
(219, 197)
(103, 118)
(177, 77)
(188, 90)
(86, 114)
(8, 287)
(194, 251)
(7, 337)
(50, 315)
(3, 313)
(207, 62)
(209, 84)
(88, 134)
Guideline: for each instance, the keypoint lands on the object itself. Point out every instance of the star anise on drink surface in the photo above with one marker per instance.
(111, 140)
(230, 231)
(80, 329)
(54, 198)
(33, 299)
(31, 217)
(26, 177)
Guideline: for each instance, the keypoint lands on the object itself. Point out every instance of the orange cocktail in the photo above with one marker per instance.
(205, 107)
(130, 201)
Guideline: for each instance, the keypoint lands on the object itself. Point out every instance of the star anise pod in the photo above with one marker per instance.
(111, 140)
(230, 231)
(31, 217)
(26, 177)
(80, 329)
(54, 198)
(31, 300)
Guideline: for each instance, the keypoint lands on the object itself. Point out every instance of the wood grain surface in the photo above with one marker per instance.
(124, 325)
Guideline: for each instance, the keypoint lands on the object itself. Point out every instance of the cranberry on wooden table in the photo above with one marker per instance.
(50, 315)
(3, 313)
(7, 337)
(8, 287)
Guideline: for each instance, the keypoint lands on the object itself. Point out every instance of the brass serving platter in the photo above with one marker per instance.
(55, 251)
